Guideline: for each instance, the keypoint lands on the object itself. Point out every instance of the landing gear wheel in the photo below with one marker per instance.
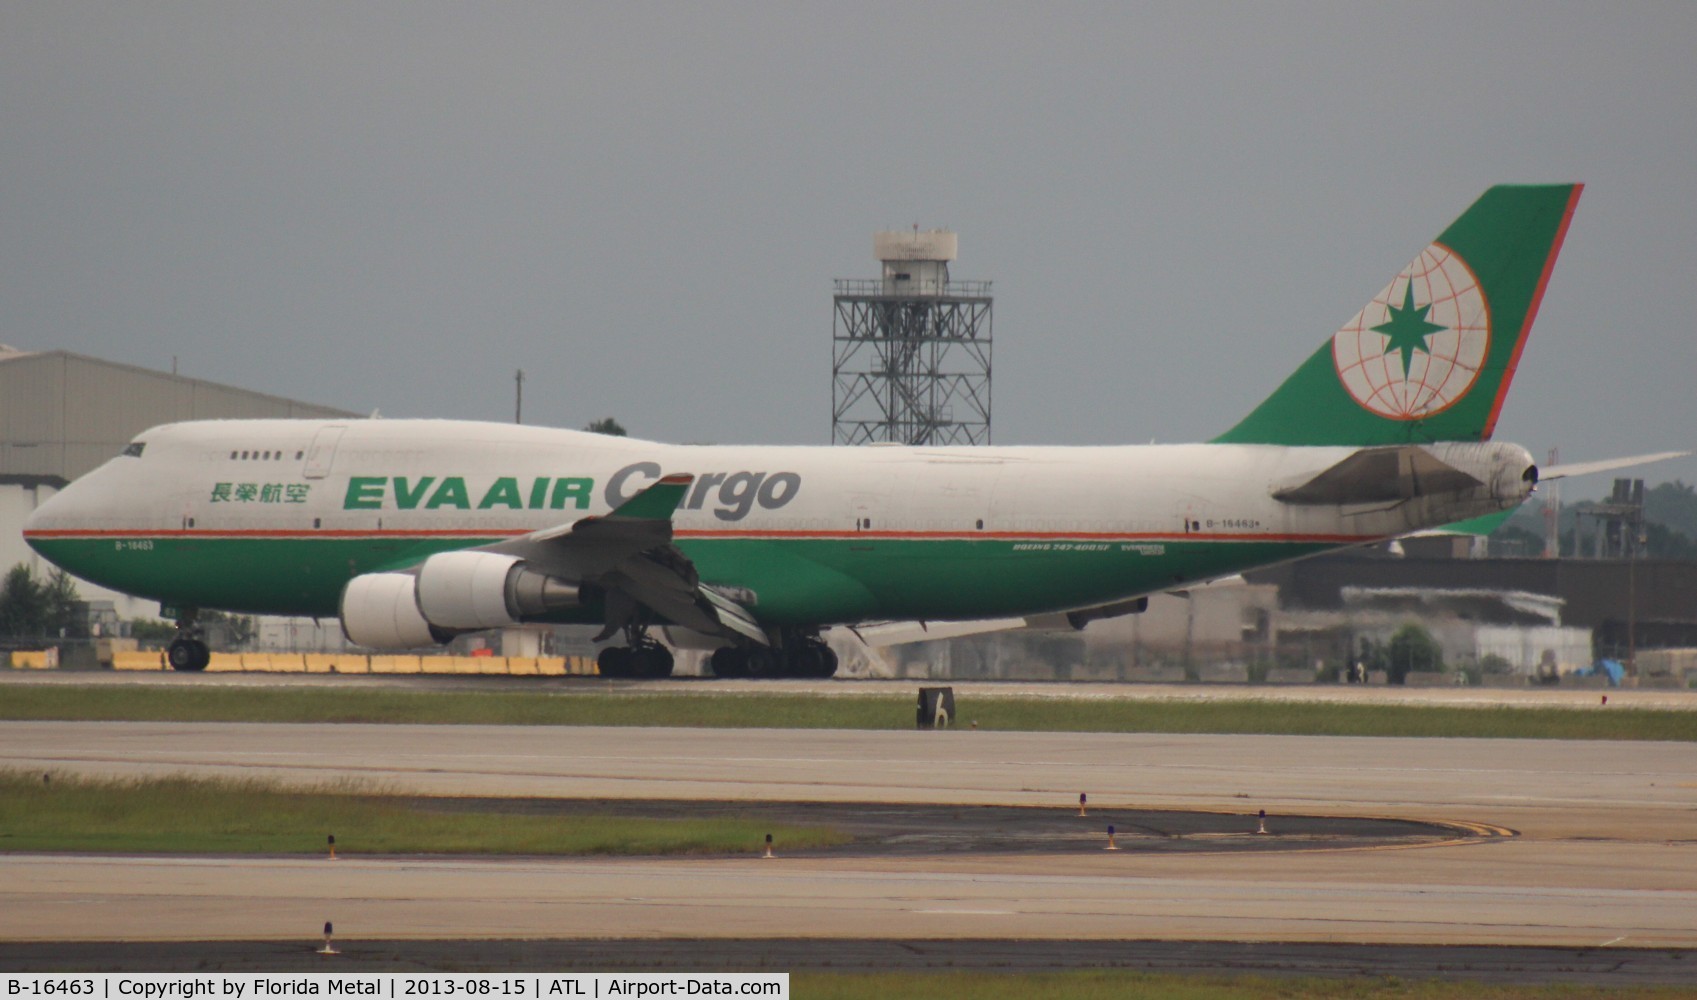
(648, 660)
(804, 662)
(729, 661)
(651, 661)
(614, 661)
(821, 662)
(188, 654)
(762, 663)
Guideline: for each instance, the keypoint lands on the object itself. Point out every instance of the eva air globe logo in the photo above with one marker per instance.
(1419, 346)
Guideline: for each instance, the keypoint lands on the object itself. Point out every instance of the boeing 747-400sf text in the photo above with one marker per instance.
(414, 531)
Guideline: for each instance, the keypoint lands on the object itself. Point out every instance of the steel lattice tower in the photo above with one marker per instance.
(911, 350)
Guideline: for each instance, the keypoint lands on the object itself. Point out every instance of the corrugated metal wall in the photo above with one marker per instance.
(62, 414)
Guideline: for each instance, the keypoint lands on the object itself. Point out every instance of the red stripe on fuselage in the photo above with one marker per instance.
(768, 534)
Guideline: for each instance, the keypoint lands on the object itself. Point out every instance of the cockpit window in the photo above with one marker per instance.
(134, 450)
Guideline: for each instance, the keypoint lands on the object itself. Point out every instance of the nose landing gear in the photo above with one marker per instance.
(188, 650)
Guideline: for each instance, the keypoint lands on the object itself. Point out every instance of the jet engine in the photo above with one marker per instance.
(380, 610)
(452, 592)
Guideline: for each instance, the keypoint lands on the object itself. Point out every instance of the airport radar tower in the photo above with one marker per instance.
(911, 351)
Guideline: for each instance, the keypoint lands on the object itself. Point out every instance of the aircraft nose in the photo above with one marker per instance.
(42, 519)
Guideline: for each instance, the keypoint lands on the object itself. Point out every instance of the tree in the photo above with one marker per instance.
(606, 425)
(34, 609)
(1663, 542)
(23, 604)
(1412, 648)
(60, 599)
(1672, 505)
(152, 630)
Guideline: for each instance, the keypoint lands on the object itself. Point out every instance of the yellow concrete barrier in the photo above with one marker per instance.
(285, 663)
(225, 663)
(336, 663)
(395, 664)
(35, 659)
(139, 660)
(525, 665)
(551, 665)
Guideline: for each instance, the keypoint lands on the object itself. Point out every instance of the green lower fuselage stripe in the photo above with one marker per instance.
(797, 581)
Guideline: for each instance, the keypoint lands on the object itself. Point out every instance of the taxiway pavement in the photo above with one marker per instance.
(1605, 853)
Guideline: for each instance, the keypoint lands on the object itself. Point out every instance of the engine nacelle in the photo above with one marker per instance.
(478, 590)
(380, 611)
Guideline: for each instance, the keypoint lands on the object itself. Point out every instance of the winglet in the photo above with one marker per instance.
(656, 503)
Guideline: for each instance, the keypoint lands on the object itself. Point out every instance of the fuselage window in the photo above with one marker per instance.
(299, 455)
(244, 456)
(232, 456)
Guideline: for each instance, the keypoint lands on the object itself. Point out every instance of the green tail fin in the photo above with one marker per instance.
(1432, 356)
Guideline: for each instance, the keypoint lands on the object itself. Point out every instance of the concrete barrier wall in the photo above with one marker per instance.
(145, 659)
(339, 663)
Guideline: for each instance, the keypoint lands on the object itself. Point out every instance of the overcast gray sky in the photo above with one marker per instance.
(395, 205)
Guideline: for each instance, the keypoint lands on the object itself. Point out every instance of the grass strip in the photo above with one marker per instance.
(1115, 984)
(217, 816)
(554, 707)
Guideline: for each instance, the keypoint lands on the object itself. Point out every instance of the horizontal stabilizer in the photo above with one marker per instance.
(1379, 475)
(1605, 465)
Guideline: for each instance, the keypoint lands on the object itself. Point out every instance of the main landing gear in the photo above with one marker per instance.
(643, 658)
(188, 650)
(800, 657)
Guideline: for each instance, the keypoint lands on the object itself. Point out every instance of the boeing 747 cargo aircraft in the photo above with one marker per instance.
(414, 531)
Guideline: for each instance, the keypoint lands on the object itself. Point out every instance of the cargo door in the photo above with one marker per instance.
(321, 454)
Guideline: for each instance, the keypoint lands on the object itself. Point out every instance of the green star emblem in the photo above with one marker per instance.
(1408, 329)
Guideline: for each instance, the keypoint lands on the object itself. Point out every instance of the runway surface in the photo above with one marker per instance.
(1610, 967)
(1605, 856)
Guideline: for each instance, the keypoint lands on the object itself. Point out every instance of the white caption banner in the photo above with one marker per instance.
(392, 986)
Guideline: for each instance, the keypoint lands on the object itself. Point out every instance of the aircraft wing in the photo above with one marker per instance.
(628, 555)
